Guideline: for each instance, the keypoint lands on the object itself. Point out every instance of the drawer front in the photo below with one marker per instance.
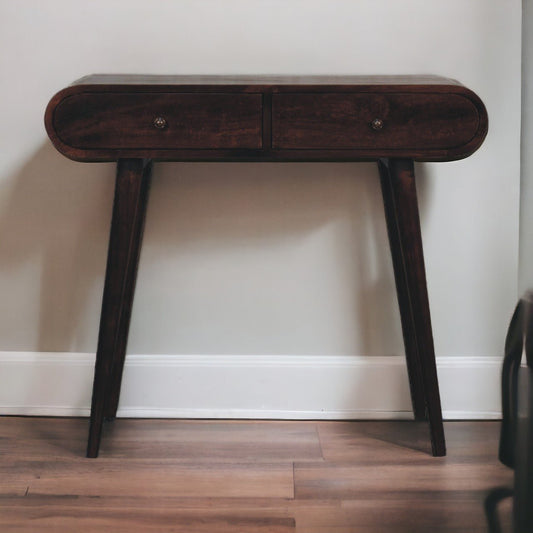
(137, 121)
(359, 121)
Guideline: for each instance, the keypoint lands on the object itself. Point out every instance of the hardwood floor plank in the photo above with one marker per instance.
(48, 438)
(404, 440)
(137, 522)
(220, 505)
(212, 441)
(389, 514)
(13, 484)
(348, 481)
(348, 441)
(394, 529)
(160, 478)
(184, 440)
(175, 524)
(222, 476)
(133, 514)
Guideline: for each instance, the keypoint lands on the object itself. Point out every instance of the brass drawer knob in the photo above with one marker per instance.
(160, 123)
(377, 124)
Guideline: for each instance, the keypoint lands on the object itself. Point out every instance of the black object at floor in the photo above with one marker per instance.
(516, 436)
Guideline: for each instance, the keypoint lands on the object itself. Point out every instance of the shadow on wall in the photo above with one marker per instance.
(54, 227)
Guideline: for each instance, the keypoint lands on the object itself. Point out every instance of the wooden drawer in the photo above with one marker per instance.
(173, 121)
(365, 121)
(265, 118)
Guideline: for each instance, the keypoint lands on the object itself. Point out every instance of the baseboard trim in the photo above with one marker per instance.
(248, 387)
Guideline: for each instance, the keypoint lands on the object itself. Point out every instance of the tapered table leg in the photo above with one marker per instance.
(129, 208)
(403, 225)
(414, 370)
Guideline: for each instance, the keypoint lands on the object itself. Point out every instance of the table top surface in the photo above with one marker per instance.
(153, 79)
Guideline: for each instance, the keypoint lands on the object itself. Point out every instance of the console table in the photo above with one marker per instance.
(394, 120)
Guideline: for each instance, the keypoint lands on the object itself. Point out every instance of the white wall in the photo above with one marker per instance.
(526, 199)
(244, 259)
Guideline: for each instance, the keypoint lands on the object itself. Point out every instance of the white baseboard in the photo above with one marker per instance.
(266, 387)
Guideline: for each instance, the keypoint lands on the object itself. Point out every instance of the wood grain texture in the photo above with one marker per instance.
(369, 477)
(219, 118)
(155, 479)
(405, 441)
(415, 121)
(199, 441)
(126, 120)
(389, 515)
(130, 515)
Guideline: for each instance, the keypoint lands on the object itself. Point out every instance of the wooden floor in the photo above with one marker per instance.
(239, 476)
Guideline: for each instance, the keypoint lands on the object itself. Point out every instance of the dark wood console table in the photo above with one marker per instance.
(395, 121)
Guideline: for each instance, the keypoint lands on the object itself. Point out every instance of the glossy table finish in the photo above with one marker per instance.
(135, 120)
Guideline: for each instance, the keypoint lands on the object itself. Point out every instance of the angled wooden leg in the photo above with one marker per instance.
(111, 405)
(403, 222)
(414, 371)
(131, 192)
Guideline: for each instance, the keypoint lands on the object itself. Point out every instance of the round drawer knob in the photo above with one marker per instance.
(160, 123)
(377, 124)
